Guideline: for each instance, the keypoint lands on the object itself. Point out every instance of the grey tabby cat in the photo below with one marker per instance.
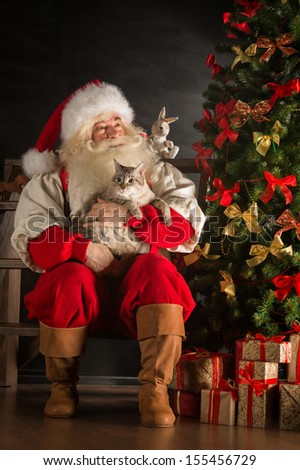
(130, 189)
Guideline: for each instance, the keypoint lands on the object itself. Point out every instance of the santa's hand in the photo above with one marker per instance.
(106, 213)
(100, 259)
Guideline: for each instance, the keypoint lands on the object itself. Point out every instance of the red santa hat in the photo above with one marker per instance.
(89, 101)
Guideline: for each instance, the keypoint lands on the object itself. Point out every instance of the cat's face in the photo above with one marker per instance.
(128, 180)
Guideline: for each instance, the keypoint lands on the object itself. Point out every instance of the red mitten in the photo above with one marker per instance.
(151, 228)
(55, 245)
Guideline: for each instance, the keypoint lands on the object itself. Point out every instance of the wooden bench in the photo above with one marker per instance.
(12, 357)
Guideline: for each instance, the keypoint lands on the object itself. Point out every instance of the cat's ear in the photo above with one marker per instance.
(118, 166)
(141, 169)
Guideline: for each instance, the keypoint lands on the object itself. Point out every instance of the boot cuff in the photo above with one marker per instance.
(160, 319)
(62, 342)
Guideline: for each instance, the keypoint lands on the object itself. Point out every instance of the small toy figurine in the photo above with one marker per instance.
(158, 138)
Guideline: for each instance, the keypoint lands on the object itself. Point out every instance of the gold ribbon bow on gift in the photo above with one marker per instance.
(242, 111)
(271, 46)
(260, 252)
(242, 56)
(197, 253)
(264, 141)
(249, 216)
(227, 285)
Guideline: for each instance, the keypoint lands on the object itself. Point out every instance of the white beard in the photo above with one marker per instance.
(91, 170)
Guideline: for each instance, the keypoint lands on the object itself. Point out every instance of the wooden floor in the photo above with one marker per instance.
(108, 419)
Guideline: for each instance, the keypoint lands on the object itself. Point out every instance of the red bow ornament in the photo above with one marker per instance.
(211, 62)
(289, 222)
(202, 156)
(280, 91)
(282, 184)
(226, 195)
(271, 46)
(243, 27)
(285, 284)
(224, 110)
(226, 133)
(250, 8)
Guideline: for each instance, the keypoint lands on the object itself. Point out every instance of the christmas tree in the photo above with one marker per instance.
(245, 272)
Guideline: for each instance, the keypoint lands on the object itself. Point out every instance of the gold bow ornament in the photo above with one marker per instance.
(197, 253)
(242, 111)
(249, 217)
(263, 141)
(260, 252)
(227, 285)
(242, 56)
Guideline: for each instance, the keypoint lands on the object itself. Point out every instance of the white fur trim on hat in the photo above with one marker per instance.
(35, 162)
(90, 101)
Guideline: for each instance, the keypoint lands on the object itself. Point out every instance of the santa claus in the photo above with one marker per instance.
(73, 296)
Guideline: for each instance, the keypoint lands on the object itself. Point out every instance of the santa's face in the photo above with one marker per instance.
(91, 168)
(111, 128)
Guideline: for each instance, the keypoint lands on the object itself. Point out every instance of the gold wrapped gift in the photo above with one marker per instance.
(217, 407)
(293, 368)
(259, 370)
(257, 406)
(266, 349)
(289, 410)
(201, 370)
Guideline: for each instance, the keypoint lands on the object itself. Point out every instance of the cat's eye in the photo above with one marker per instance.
(131, 180)
(118, 179)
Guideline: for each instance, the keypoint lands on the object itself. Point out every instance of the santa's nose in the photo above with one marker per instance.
(113, 133)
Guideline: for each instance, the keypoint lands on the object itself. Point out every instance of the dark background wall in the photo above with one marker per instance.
(154, 51)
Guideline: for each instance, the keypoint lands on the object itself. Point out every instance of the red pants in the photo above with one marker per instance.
(71, 295)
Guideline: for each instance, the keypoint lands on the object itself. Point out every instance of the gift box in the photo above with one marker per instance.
(263, 349)
(218, 406)
(201, 370)
(185, 403)
(289, 409)
(257, 404)
(293, 368)
(262, 371)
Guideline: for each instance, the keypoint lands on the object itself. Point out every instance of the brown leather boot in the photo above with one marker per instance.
(62, 373)
(62, 348)
(160, 330)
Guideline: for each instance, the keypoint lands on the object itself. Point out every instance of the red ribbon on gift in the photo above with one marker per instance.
(282, 184)
(226, 386)
(263, 339)
(189, 355)
(285, 284)
(226, 195)
(256, 386)
(214, 406)
(293, 86)
(295, 328)
(202, 156)
(215, 399)
(199, 354)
